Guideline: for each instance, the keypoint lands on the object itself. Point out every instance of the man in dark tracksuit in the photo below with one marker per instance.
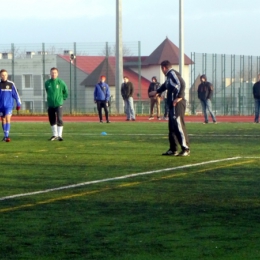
(175, 87)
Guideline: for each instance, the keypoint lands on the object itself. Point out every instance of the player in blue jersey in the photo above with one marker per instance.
(8, 93)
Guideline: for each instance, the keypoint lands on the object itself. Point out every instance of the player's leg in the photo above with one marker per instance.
(53, 123)
(59, 113)
(173, 150)
(204, 111)
(131, 108)
(99, 108)
(127, 109)
(209, 107)
(257, 103)
(106, 110)
(151, 108)
(180, 128)
(3, 120)
(6, 123)
(158, 107)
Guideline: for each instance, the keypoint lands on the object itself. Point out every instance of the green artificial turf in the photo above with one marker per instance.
(198, 207)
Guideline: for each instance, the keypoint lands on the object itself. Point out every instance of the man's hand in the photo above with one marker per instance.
(18, 108)
(175, 101)
(153, 94)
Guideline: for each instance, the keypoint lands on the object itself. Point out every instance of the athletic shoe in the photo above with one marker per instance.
(53, 138)
(205, 123)
(158, 118)
(127, 119)
(184, 153)
(60, 138)
(6, 139)
(101, 121)
(215, 122)
(108, 121)
(170, 152)
(133, 119)
(151, 118)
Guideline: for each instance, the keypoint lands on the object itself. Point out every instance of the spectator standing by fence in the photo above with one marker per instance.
(127, 91)
(256, 94)
(154, 85)
(205, 92)
(102, 97)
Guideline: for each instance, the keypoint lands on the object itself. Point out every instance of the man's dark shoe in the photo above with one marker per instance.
(170, 152)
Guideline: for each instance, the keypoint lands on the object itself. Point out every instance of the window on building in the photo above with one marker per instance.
(28, 81)
(46, 77)
(28, 106)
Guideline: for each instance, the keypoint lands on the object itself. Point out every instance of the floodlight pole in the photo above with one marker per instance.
(119, 57)
(181, 39)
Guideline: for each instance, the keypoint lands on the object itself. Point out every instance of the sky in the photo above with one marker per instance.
(210, 26)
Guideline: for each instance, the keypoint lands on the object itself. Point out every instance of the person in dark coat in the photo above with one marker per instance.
(256, 94)
(154, 85)
(205, 92)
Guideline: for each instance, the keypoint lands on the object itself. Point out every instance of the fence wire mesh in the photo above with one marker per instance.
(29, 65)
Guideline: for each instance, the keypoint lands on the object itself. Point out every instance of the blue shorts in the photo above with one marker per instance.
(5, 112)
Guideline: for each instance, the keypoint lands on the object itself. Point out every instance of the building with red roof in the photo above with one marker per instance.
(140, 70)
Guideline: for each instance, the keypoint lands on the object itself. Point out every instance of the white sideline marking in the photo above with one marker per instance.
(115, 178)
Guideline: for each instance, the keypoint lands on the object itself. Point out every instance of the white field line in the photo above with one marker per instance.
(114, 179)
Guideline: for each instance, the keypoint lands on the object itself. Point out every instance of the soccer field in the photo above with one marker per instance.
(114, 196)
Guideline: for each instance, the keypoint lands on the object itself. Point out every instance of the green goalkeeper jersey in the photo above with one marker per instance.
(57, 92)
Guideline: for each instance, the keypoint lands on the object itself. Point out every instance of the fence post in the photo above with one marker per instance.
(43, 76)
(75, 77)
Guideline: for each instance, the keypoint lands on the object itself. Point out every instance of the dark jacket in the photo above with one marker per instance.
(205, 89)
(175, 86)
(153, 87)
(256, 90)
(127, 90)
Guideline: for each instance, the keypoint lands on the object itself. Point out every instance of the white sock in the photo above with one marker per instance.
(54, 130)
(60, 129)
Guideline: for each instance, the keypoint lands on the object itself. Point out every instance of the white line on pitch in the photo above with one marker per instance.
(115, 178)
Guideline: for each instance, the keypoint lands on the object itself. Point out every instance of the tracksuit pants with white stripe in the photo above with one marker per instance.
(177, 129)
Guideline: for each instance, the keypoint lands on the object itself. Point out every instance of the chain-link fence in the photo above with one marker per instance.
(232, 77)
(81, 64)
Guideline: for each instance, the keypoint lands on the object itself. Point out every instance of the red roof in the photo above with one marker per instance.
(107, 68)
(85, 63)
(167, 50)
(95, 66)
